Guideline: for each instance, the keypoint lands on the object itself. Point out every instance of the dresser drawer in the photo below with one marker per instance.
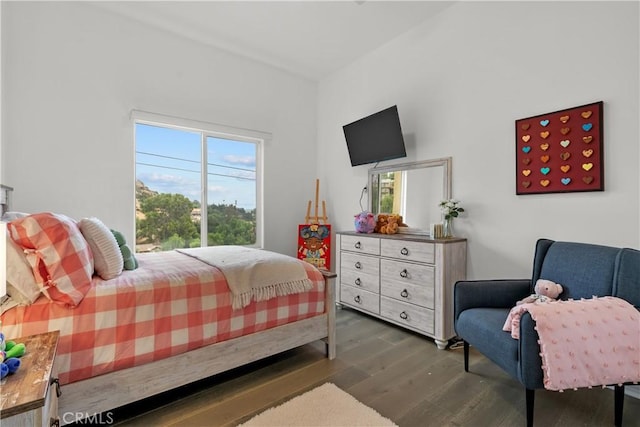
(408, 292)
(359, 264)
(407, 314)
(407, 272)
(361, 299)
(360, 280)
(365, 245)
(408, 250)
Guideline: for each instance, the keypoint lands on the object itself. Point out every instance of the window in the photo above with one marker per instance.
(389, 193)
(197, 184)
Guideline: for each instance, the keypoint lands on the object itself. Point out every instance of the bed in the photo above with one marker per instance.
(176, 314)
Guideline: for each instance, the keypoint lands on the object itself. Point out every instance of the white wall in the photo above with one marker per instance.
(461, 80)
(73, 73)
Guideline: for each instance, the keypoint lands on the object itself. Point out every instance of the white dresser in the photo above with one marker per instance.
(404, 279)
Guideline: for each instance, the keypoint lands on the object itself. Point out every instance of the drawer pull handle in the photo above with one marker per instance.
(358, 245)
(357, 299)
(55, 381)
(404, 273)
(358, 265)
(358, 282)
(404, 316)
(404, 251)
(404, 293)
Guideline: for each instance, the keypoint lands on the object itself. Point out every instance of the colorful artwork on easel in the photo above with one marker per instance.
(314, 244)
(561, 152)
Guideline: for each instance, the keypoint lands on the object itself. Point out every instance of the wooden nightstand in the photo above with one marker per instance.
(30, 396)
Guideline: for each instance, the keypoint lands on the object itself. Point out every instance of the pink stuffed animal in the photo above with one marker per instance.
(365, 222)
(545, 291)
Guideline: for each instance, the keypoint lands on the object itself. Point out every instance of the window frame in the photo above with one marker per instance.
(207, 129)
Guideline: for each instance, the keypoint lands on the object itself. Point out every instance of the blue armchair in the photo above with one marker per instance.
(584, 270)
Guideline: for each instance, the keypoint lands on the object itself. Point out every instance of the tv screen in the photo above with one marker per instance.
(375, 138)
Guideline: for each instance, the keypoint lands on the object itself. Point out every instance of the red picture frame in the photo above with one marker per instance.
(561, 152)
(314, 244)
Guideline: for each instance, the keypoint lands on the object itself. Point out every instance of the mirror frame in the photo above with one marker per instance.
(444, 162)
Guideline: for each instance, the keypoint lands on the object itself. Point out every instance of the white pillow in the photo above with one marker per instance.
(21, 284)
(107, 258)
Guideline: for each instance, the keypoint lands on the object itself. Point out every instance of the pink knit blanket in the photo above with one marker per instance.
(585, 343)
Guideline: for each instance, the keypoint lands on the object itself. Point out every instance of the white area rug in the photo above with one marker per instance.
(326, 406)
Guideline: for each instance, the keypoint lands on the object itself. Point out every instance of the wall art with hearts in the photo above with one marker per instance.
(561, 151)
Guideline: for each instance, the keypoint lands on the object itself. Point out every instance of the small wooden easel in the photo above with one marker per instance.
(316, 219)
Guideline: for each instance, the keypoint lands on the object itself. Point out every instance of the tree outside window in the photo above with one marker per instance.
(185, 175)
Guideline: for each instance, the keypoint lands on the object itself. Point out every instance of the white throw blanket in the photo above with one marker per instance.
(254, 274)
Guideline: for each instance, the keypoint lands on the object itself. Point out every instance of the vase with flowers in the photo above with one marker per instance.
(450, 210)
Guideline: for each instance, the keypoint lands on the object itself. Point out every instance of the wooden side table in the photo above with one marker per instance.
(30, 396)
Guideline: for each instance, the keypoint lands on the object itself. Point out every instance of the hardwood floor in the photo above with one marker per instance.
(400, 374)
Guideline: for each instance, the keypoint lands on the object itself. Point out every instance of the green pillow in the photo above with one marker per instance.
(130, 261)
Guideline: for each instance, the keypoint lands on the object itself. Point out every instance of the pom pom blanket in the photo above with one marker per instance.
(585, 343)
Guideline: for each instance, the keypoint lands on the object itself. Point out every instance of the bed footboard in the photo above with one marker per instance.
(330, 310)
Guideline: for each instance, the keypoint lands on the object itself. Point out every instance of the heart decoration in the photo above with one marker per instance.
(549, 146)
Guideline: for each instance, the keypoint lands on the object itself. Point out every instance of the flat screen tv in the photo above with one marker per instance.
(375, 138)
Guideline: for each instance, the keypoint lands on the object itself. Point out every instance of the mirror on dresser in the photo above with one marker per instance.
(412, 190)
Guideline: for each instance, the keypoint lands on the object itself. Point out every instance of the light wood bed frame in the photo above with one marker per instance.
(115, 389)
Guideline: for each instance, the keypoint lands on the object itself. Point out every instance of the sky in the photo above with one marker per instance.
(168, 161)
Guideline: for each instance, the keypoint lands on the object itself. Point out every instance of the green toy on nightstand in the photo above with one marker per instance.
(10, 353)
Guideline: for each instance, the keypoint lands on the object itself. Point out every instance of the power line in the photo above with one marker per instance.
(197, 171)
(194, 161)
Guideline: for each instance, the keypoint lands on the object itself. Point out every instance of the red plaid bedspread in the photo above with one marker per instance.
(171, 304)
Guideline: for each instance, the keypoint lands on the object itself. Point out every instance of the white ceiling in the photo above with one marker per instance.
(308, 38)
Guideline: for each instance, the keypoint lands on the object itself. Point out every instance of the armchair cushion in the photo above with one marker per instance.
(482, 328)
